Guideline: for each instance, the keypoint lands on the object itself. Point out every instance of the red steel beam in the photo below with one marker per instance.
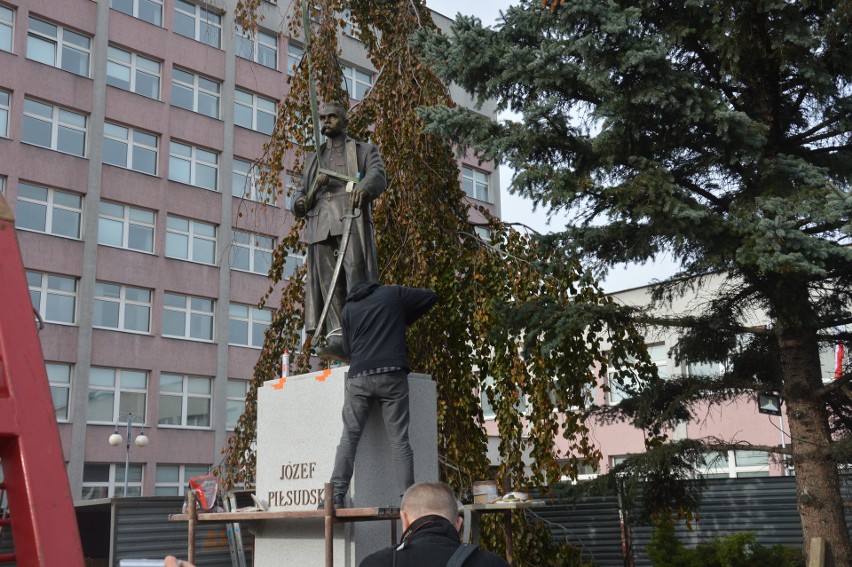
(41, 509)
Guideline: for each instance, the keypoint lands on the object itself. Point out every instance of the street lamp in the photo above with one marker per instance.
(770, 404)
(141, 440)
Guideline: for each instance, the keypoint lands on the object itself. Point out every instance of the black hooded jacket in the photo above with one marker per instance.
(430, 541)
(374, 320)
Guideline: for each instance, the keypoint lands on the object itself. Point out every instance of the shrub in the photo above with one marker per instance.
(736, 550)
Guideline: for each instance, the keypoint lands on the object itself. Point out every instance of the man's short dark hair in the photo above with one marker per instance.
(427, 498)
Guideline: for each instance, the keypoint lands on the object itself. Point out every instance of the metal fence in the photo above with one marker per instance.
(138, 528)
(123, 528)
(765, 506)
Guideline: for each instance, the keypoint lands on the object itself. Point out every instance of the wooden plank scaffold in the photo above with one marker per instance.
(328, 514)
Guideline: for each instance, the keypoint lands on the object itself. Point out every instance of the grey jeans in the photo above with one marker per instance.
(391, 392)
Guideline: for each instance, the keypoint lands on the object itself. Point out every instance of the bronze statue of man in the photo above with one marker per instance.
(340, 180)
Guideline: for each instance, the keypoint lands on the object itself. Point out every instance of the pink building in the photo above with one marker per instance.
(128, 130)
(737, 421)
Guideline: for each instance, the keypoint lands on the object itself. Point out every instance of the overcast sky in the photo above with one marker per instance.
(517, 209)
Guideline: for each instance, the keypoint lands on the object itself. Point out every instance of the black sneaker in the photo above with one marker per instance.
(338, 503)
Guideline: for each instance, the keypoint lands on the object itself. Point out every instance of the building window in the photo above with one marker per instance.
(349, 27)
(356, 82)
(195, 93)
(659, 357)
(751, 463)
(483, 232)
(187, 317)
(130, 149)
(251, 252)
(475, 183)
(245, 183)
(587, 392)
(59, 376)
(292, 264)
(260, 47)
(54, 128)
(616, 460)
(132, 72)
(190, 240)
(236, 403)
(716, 465)
(488, 409)
(58, 47)
(122, 308)
(247, 325)
(115, 392)
(7, 28)
(107, 480)
(48, 210)
(585, 471)
(185, 400)
(735, 464)
(173, 480)
(618, 392)
(150, 11)
(294, 57)
(706, 369)
(5, 99)
(193, 166)
(254, 112)
(127, 227)
(198, 23)
(54, 297)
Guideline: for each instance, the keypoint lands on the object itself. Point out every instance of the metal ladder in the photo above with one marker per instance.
(235, 536)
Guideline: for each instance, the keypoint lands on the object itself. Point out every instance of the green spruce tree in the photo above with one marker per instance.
(717, 132)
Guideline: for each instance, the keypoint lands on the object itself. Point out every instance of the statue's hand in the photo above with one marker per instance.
(359, 198)
(322, 180)
(299, 208)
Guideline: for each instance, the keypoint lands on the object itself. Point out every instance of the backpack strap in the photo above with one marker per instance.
(461, 553)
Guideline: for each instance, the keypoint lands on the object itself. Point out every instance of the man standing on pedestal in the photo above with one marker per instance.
(374, 321)
(326, 200)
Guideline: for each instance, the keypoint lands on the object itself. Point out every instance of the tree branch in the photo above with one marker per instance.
(718, 444)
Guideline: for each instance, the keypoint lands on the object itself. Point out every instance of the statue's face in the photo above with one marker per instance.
(331, 121)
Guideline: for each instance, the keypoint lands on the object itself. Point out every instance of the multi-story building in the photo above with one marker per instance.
(128, 132)
(736, 421)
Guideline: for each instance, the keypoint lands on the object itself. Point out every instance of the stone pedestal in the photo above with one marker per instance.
(298, 429)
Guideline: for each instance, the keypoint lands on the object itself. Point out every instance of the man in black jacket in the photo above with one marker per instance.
(431, 523)
(374, 319)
